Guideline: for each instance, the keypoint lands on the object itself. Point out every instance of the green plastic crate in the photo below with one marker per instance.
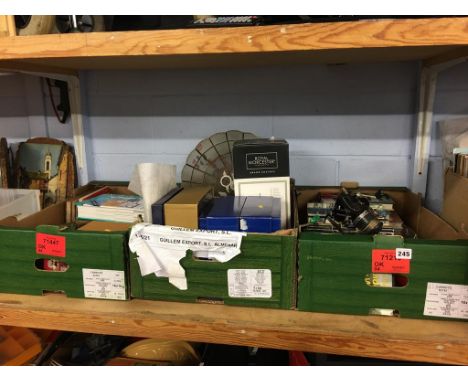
(90, 250)
(332, 267)
(208, 282)
(332, 271)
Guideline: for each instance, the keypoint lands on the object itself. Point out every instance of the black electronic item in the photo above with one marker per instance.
(353, 210)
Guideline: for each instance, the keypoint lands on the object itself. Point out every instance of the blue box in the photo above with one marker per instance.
(243, 213)
(261, 214)
(157, 208)
(223, 214)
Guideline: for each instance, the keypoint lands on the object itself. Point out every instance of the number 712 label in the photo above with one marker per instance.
(391, 260)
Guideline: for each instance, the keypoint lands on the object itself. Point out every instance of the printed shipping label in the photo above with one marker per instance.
(446, 300)
(249, 283)
(106, 284)
(51, 245)
(385, 261)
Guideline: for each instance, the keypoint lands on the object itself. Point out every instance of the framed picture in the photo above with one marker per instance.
(47, 165)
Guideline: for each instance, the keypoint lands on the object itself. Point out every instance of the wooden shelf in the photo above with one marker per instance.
(332, 42)
(432, 39)
(380, 337)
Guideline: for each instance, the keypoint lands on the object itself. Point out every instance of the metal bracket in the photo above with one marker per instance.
(427, 88)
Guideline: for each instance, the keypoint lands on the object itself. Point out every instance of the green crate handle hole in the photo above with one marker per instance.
(396, 280)
(51, 265)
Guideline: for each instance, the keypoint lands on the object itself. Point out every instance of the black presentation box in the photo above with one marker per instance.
(260, 158)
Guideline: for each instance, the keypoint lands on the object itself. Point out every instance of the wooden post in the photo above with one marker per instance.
(7, 26)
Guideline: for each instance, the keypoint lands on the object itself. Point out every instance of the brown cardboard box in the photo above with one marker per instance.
(105, 226)
(184, 208)
(455, 207)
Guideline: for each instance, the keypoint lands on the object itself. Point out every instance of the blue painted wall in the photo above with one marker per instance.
(343, 122)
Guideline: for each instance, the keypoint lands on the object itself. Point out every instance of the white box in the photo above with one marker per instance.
(19, 203)
(278, 187)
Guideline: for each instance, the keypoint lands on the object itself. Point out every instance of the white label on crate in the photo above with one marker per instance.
(249, 283)
(446, 300)
(403, 253)
(106, 284)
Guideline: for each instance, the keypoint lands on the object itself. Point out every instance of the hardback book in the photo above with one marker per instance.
(111, 207)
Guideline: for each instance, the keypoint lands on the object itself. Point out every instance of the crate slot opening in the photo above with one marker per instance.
(210, 300)
(386, 280)
(384, 312)
(203, 256)
(46, 292)
(51, 265)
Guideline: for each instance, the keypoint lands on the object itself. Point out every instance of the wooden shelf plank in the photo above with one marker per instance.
(380, 337)
(332, 42)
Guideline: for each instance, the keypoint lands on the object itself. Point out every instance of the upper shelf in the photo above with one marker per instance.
(331, 42)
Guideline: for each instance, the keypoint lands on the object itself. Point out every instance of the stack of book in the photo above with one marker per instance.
(111, 207)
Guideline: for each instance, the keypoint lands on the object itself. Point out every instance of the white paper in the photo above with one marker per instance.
(446, 300)
(152, 181)
(249, 283)
(102, 283)
(160, 249)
